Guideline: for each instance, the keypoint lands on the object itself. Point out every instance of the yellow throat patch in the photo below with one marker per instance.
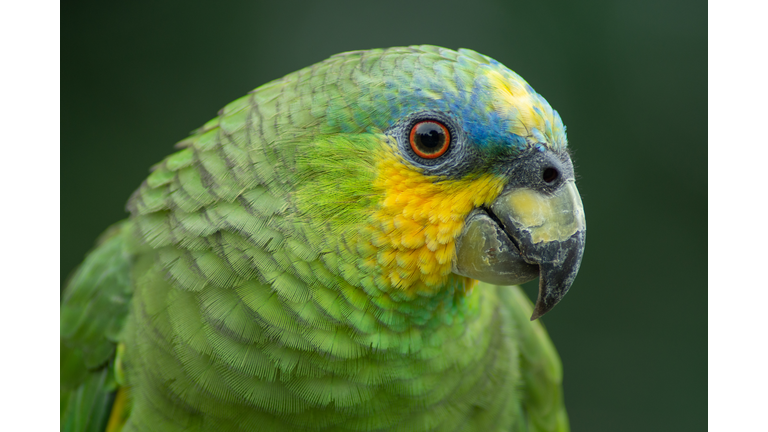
(418, 221)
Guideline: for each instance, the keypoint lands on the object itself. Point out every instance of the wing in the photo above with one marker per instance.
(541, 372)
(94, 308)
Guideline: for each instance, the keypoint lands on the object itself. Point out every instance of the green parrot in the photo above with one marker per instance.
(333, 252)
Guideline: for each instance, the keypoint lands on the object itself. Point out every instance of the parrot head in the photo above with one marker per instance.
(429, 168)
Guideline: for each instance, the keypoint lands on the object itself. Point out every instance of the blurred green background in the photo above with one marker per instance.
(628, 78)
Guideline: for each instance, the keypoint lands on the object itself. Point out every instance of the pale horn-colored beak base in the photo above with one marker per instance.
(525, 233)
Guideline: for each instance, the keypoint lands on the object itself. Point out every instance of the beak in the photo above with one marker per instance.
(524, 234)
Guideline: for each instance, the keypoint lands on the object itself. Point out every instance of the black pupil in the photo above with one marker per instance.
(549, 175)
(429, 137)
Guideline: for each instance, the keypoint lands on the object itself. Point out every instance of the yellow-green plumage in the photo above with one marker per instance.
(260, 285)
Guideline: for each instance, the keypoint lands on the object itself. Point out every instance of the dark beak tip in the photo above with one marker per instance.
(557, 276)
(540, 309)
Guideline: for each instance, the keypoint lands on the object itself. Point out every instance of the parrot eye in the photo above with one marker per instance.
(549, 175)
(430, 139)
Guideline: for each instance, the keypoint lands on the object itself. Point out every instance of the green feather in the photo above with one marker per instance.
(94, 309)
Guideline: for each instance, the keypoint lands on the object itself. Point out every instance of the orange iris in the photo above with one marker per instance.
(430, 139)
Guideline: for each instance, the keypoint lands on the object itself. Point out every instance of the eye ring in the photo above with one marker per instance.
(429, 139)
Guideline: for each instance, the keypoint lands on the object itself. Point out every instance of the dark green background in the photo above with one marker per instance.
(628, 79)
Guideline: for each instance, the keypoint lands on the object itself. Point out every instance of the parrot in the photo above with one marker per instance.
(338, 250)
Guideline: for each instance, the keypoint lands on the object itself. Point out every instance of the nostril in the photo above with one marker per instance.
(549, 175)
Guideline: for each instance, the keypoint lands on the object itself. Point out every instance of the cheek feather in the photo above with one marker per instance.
(418, 220)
